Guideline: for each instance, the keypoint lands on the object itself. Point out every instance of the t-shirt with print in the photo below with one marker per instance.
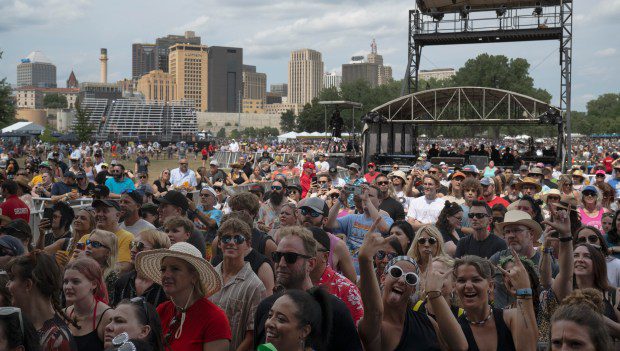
(355, 227)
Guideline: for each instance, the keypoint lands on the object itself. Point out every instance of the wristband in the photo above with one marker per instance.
(429, 297)
(566, 239)
(524, 292)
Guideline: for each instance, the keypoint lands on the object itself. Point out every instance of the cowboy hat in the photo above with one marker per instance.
(567, 202)
(149, 264)
(522, 218)
(22, 181)
(578, 173)
(555, 192)
(529, 180)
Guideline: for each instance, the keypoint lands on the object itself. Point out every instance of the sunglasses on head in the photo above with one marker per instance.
(237, 239)
(141, 301)
(289, 257)
(305, 211)
(137, 245)
(592, 239)
(430, 240)
(410, 277)
(382, 254)
(477, 215)
(96, 244)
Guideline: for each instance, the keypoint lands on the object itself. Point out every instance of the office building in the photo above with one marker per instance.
(163, 47)
(332, 79)
(225, 79)
(143, 59)
(189, 67)
(384, 73)
(32, 97)
(439, 73)
(157, 86)
(279, 109)
(36, 70)
(305, 76)
(253, 106)
(273, 98)
(254, 84)
(279, 89)
(109, 91)
(368, 72)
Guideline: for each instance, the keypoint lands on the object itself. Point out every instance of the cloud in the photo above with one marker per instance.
(200, 24)
(19, 13)
(605, 52)
(601, 11)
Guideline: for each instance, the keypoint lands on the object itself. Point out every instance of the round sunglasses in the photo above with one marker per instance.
(410, 277)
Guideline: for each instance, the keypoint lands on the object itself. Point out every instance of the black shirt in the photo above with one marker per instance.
(125, 288)
(89, 191)
(394, 208)
(418, 333)
(143, 164)
(161, 188)
(447, 237)
(485, 248)
(344, 334)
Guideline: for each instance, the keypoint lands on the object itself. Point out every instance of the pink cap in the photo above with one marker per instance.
(600, 171)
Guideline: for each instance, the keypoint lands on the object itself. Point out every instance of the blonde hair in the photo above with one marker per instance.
(110, 240)
(433, 232)
(157, 239)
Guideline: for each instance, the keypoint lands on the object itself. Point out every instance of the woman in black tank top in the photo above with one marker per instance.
(484, 325)
(389, 322)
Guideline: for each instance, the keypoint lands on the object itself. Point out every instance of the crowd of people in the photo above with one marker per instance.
(425, 257)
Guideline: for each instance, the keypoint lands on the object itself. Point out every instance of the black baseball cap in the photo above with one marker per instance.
(107, 203)
(175, 198)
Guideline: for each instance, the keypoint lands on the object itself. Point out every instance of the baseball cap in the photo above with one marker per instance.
(214, 163)
(175, 198)
(600, 171)
(13, 244)
(589, 188)
(523, 168)
(470, 169)
(69, 174)
(333, 170)
(456, 174)
(44, 164)
(136, 196)
(486, 181)
(353, 165)
(102, 190)
(107, 203)
(316, 204)
(104, 165)
(80, 175)
(257, 187)
(372, 164)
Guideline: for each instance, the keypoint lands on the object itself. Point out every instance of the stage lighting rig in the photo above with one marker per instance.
(465, 11)
(551, 117)
(501, 11)
(373, 117)
(538, 10)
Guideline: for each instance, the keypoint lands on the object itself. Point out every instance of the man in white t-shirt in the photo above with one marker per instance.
(322, 166)
(425, 209)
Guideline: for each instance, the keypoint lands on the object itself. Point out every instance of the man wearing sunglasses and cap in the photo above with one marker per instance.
(294, 259)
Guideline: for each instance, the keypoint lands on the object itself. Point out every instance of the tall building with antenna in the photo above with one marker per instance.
(384, 72)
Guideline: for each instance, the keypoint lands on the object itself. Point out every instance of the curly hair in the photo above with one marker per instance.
(245, 201)
(449, 209)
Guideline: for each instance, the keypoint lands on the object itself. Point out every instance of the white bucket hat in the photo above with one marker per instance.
(148, 263)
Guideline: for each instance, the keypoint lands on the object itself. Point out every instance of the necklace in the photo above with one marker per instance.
(482, 321)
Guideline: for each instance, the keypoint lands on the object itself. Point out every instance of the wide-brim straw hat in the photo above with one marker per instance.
(567, 202)
(555, 192)
(22, 181)
(148, 263)
(529, 180)
(522, 218)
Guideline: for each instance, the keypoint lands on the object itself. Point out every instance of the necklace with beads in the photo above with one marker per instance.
(482, 321)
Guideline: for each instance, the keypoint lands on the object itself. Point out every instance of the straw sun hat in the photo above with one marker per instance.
(523, 218)
(149, 264)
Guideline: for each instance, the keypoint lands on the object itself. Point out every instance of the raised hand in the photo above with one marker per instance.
(433, 280)
(518, 274)
(373, 242)
(561, 223)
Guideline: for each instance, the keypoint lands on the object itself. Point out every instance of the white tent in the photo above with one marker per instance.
(286, 136)
(24, 127)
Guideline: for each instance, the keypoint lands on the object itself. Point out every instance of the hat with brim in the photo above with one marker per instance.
(148, 263)
(399, 174)
(106, 203)
(22, 181)
(578, 173)
(456, 174)
(531, 181)
(567, 202)
(555, 192)
(521, 218)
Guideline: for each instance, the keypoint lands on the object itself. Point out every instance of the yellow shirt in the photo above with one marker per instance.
(123, 239)
(36, 180)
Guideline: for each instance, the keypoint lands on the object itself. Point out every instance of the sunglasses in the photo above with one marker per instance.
(334, 196)
(380, 255)
(217, 188)
(143, 177)
(276, 187)
(498, 219)
(383, 183)
(592, 239)
(431, 241)
(96, 244)
(137, 245)
(477, 215)
(410, 277)
(237, 239)
(289, 257)
(308, 211)
(600, 176)
(589, 193)
(183, 164)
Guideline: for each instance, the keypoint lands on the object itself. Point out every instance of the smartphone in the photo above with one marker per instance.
(48, 213)
(314, 179)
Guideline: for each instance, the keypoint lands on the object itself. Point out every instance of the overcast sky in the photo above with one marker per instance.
(70, 33)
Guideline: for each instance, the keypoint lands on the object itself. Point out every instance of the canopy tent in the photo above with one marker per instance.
(306, 135)
(24, 128)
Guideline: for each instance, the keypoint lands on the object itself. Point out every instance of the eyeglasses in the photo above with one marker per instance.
(380, 255)
(431, 241)
(592, 239)
(289, 257)
(143, 177)
(276, 187)
(237, 239)
(410, 277)
(383, 183)
(305, 211)
(7, 311)
(477, 215)
(589, 193)
(96, 244)
(137, 245)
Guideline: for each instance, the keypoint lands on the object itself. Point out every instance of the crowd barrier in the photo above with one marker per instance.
(39, 205)
(226, 158)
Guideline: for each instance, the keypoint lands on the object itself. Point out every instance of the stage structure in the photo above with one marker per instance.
(390, 134)
(448, 22)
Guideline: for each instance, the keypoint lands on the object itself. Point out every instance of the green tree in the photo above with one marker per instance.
(602, 116)
(221, 133)
(55, 101)
(82, 127)
(235, 134)
(47, 136)
(287, 121)
(7, 105)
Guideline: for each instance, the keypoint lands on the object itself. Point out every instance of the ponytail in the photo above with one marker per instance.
(320, 337)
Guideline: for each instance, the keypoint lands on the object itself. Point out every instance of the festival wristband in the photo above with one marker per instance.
(566, 239)
(524, 292)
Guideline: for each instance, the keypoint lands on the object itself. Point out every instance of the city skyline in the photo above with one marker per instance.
(71, 32)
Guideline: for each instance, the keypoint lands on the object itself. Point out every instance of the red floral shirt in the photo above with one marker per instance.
(341, 287)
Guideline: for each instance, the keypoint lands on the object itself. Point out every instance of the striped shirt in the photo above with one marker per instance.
(239, 298)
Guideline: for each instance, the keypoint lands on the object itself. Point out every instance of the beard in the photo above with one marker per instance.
(276, 198)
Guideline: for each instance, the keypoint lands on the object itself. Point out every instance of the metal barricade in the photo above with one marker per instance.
(39, 205)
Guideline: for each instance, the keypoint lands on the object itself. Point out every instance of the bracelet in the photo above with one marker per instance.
(566, 239)
(524, 297)
(524, 292)
(429, 297)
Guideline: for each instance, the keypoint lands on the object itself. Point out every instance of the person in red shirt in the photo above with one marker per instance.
(12, 206)
(372, 173)
(190, 322)
(607, 162)
(306, 178)
(488, 193)
(334, 282)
